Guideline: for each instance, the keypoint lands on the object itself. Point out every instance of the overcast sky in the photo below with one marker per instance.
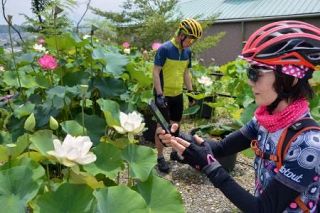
(16, 7)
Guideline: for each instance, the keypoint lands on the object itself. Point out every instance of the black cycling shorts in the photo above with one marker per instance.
(174, 110)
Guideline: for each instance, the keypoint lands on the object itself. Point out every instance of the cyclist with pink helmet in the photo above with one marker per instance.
(282, 57)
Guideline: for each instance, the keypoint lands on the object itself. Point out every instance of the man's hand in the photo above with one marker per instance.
(191, 101)
(161, 101)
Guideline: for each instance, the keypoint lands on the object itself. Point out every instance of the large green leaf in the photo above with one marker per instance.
(160, 195)
(61, 42)
(139, 74)
(26, 58)
(15, 127)
(24, 110)
(73, 128)
(191, 110)
(108, 161)
(71, 198)
(119, 199)
(108, 87)
(12, 204)
(76, 78)
(111, 111)
(21, 145)
(42, 141)
(94, 125)
(141, 160)
(18, 186)
(115, 62)
(42, 112)
(26, 81)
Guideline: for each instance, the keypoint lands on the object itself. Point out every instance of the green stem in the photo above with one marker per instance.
(68, 175)
(82, 112)
(14, 59)
(56, 44)
(48, 172)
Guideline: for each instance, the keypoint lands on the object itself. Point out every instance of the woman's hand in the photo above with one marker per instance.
(198, 155)
(164, 137)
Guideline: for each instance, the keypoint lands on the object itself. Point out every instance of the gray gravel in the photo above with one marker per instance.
(198, 194)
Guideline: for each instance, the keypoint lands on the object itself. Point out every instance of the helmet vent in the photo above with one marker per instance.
(314, 56)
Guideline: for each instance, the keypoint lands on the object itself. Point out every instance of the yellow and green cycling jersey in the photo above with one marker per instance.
(174, 61)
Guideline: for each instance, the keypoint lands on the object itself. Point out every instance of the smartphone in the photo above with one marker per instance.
(159, 117)
(165, 125)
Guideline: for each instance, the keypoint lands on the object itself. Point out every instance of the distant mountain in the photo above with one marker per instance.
(4, 28)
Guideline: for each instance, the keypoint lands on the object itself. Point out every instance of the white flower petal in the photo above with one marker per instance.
(119, 129)
(87, 159)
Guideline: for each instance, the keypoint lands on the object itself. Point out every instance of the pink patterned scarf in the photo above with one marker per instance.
(281, 119)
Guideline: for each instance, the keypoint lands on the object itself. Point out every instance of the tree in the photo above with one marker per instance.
(37, 6)
(144, 21)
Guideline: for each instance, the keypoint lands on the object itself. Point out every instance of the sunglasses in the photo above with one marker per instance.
(254, 73)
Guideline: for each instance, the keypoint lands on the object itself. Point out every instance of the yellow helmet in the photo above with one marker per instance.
(191, 27)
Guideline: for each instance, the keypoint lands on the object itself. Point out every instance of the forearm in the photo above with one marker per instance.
(233, 143)
(187, 80)
(275, 198)
(156, 80)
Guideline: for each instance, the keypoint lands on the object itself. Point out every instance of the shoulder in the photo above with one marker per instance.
(250, 129)
(309, 138)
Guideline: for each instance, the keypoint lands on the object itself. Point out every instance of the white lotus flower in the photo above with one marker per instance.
(39, 48)
(130, 123)
(127, 51)
(73, 150)
(206, 81)
(2, 69)
(86, 36)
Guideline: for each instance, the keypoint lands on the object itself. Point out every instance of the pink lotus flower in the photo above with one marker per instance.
(126, 45)
(155, 46)
(48, 62)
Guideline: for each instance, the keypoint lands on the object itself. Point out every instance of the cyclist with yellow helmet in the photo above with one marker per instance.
(170, 73)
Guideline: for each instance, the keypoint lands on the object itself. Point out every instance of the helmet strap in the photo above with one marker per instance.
(182, 40)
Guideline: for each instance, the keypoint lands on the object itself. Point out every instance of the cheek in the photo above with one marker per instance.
(267, 92)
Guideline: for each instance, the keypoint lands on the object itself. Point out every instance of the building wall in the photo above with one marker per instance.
(231, 44)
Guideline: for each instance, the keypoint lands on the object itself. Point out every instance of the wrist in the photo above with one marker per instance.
(208, 169)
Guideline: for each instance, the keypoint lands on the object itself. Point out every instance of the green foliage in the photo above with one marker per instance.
(91, 86)
(144, 22)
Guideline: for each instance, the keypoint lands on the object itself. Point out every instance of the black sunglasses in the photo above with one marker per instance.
(254, 73)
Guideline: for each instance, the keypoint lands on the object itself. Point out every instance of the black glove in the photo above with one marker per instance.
(161, 101)
(201, 158)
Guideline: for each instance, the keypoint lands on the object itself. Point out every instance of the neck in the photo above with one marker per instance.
(178, 41)
(281, 106)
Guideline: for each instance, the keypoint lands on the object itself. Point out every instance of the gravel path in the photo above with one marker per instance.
(199, 194)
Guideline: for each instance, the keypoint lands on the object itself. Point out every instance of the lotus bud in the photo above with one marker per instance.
(53, 123)
(83, 89)
(30, 123)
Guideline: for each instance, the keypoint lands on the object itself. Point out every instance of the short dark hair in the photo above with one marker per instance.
(289, 92)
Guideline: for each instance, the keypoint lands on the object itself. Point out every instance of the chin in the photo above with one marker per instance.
(260, 102)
